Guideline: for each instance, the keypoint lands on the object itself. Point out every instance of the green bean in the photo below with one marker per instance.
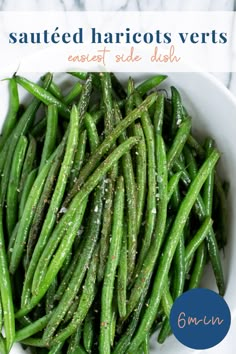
(130, 190)
(21, 128)
(57, 196)
(42, 204)
(179, 269)
(129, 103)
(87, 297)
(31, 329)
(80, 75)
(177, 109)
(223, 209)
(11, 118)
(141, 173)
(43, 95)
(122, 276)
(124, 341)
(72, 227)
(27, 216)
(194, 144)
(150, 84)
(94, 139)
(88, 332)
(113, 324)
(56, 349)
(145, 347)
(6, 291)
(179, 167)
(85, 97)
(74, 341)
(92, 132)
(14, 182)
(197, 240)
(55, 90)
(178, 142)
(106, 223)
(152, 254)
(107, 101)
(170, 247)
(39, 127)
(78, 159)
(28, 164)
(1, 315)
(112, 262)
(159, 114)
(66, 278)
(198, 268)
(173, 183)
(73, 93)
(107, 144)
(26, 190)
(83, 76)
(50, 295)
(12, 240)
(57, 262)
(79, 350)
(151, 183)
(91, 237)
(179, 260)
(68, 316)
(111, 176)
(34, 342)
(51, 132)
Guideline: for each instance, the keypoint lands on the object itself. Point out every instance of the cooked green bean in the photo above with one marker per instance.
(173, 183)
(6, 291)
(29, 164)
(112, 262)
(178, 142)
(86, 300)
(26, 190)
(141, 173)
(107, 144)
(42, 204)
(88, 332)
(27, 216)
(151, 183)
(149, 84)
(57, 196)
(91, 238)
(122, 276)
(21, 128)
(170, 247)
(78, 159)
(44, 96)
(14, 184)
(152, 254)
(11, 118)
(73, 93)
(51, 132)
(131, 201)
(32, 329)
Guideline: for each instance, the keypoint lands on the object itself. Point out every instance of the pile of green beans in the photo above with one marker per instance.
(110, 208)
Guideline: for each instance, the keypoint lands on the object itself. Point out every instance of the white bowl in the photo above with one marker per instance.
(213, 111)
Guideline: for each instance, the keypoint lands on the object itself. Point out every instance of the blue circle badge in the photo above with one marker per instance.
(200, 318)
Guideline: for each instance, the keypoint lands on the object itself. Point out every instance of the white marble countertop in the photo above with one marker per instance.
(228, 78)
